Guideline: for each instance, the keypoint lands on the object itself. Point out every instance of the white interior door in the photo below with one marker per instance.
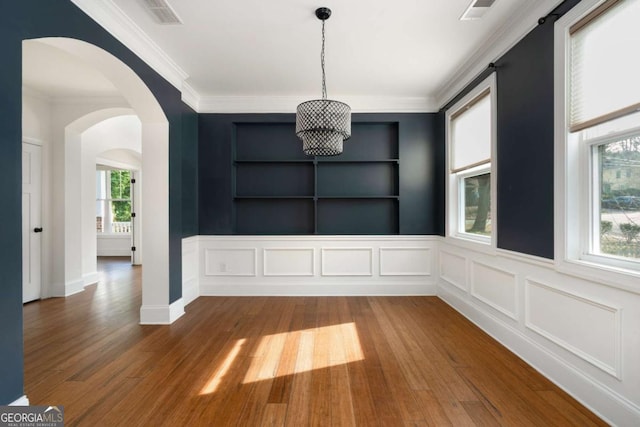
(31, 221)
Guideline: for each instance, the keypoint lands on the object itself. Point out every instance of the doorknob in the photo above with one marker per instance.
(37, 230)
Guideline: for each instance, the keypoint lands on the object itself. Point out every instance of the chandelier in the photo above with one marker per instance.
(323, 124)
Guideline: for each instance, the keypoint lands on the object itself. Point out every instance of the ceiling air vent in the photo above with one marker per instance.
(162, 12)
(476, 9)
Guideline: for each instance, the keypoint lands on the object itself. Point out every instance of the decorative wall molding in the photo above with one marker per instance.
(453, 269)
(347, 262)
(576, 337)
(230, 262)
(405, 261)
(312, 265)
(495, 287)
(190, 97)
(288, 261)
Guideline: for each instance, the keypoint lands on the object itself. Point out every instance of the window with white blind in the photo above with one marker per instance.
(598, 136)
(470, 140)
(604, 46)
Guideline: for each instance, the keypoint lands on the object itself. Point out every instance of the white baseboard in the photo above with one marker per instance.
(161, 314)
(592, 394)
(73, 287)
(114, 252)
(22, 401)
(190, 291)
(306, 289)
(90, 278)
(67, 289)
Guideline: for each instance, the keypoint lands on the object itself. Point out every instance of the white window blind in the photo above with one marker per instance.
(471, 134)
(605, 64)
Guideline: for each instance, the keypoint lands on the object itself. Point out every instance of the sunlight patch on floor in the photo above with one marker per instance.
(316, 348)
(222, 370)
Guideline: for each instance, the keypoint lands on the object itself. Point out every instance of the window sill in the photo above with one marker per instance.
(484, 246)
(619, 278)
(112, 235)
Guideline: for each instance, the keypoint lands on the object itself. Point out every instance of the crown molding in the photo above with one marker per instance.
(496, 46)
(288, 104)
(108, 15)
(190, 97)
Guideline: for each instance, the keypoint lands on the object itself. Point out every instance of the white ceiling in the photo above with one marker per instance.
(401, 48)
(259, 56)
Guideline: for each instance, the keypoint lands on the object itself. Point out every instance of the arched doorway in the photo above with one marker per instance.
(66, 240)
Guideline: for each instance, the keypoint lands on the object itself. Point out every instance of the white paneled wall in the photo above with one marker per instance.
(312, 265)
(190, 289)
(581, 334)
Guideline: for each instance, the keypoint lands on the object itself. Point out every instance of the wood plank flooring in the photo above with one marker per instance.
(365, 361)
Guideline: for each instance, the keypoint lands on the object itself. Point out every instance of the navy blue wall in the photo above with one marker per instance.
(525, 146)
(421, 156)
(27, 19)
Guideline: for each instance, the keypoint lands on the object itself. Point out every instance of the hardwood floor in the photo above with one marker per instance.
(366, 361)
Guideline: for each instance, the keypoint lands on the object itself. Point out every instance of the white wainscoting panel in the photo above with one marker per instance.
(591, 331)
(347, 262)
(495, 287)
(288, 262)
(315, 265)
(230, 262)
(190, 287)
(453, 269)
(405, 261)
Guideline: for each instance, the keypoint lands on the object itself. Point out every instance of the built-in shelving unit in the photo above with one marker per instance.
(279, 190)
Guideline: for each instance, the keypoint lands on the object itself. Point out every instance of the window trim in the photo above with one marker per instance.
(455, 178)
(573, 209)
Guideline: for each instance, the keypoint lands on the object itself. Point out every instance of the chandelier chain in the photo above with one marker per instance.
(324, 79)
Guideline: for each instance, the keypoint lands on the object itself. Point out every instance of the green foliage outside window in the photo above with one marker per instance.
(121, 189)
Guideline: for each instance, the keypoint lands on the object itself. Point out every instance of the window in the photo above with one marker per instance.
(470, 140)
(598, 138)
(113, 203)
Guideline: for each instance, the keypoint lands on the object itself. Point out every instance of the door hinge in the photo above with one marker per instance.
(133, 180)
(133, 214)
(133, 248)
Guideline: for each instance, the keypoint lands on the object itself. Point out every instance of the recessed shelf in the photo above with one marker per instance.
(273, 197)
(359, 161)
(274, 161)
(357, 197)
(279, 190)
